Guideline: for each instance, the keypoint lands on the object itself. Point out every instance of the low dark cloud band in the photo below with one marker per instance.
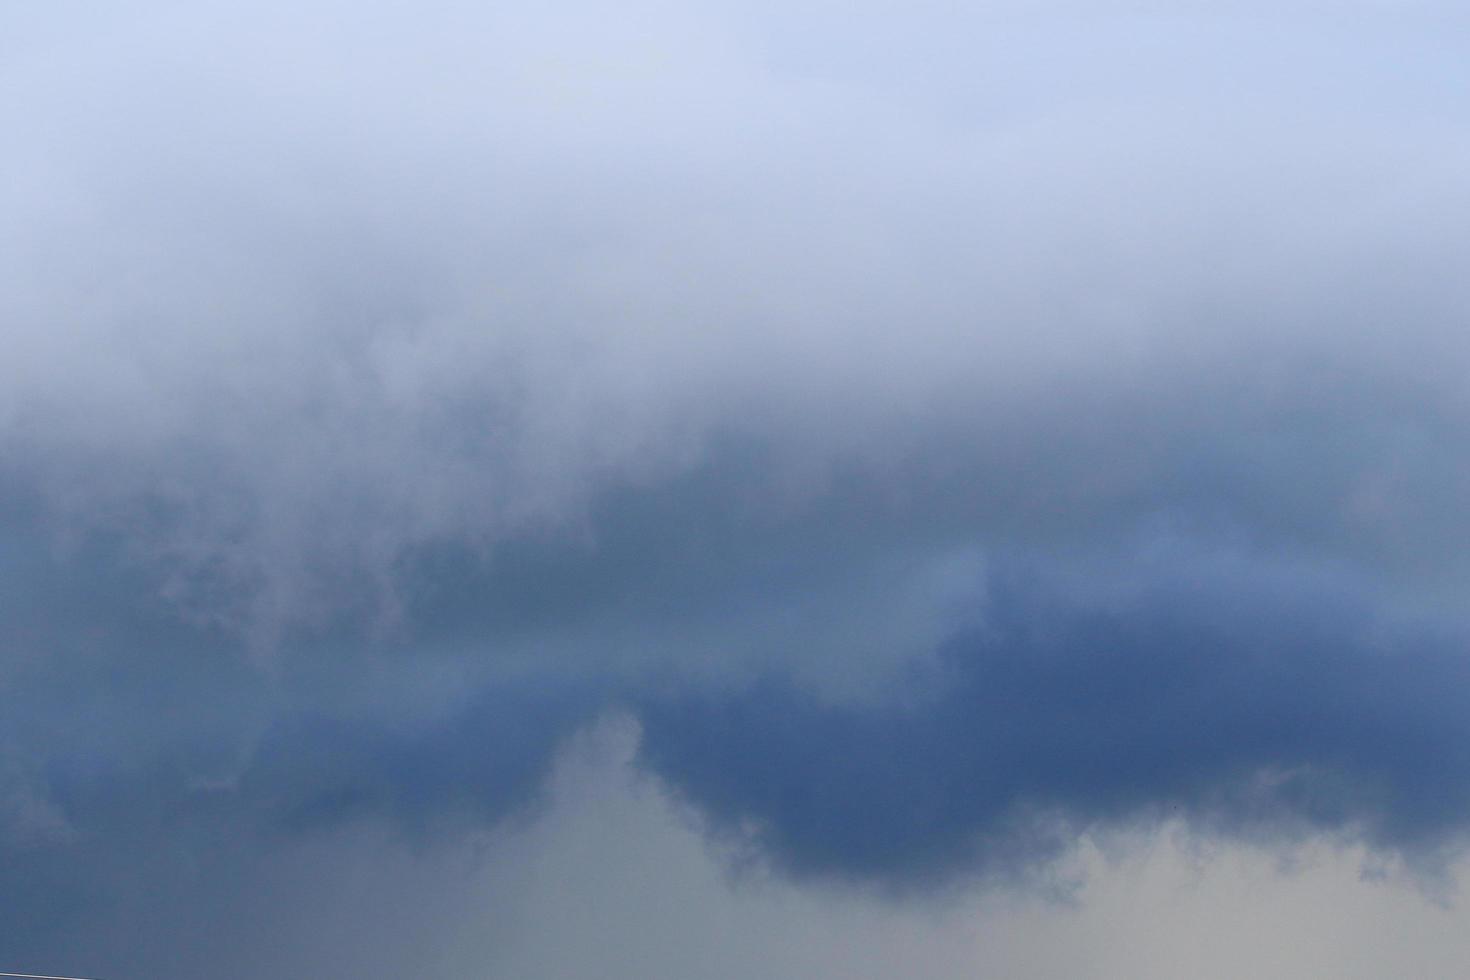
(1249, 712)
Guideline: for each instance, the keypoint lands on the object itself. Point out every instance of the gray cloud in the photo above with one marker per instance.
(388, 393)
(1248, 706)
(295, 292)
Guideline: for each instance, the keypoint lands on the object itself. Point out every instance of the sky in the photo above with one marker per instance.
(719, 489)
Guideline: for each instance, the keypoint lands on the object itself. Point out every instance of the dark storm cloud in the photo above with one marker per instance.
(387, 393)
(161, 798)
(478, 765)
(112, 699)
(1256, 695)
(1253, 708)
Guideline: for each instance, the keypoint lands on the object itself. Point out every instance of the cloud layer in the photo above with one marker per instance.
(942, 436)
(1246, 711)
(294, 292)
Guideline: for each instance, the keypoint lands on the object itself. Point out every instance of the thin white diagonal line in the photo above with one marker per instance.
(39, 976)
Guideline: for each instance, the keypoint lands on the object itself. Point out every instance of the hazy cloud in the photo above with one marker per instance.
(945, 432)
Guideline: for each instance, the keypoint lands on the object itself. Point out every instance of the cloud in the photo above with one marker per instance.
(388, 394)
(297, 293)
(1249, 711)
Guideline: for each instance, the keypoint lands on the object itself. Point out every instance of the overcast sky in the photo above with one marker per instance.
(734, 489)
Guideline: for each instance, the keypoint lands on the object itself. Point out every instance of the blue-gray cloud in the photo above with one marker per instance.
(1247, 710)
(385, 395)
